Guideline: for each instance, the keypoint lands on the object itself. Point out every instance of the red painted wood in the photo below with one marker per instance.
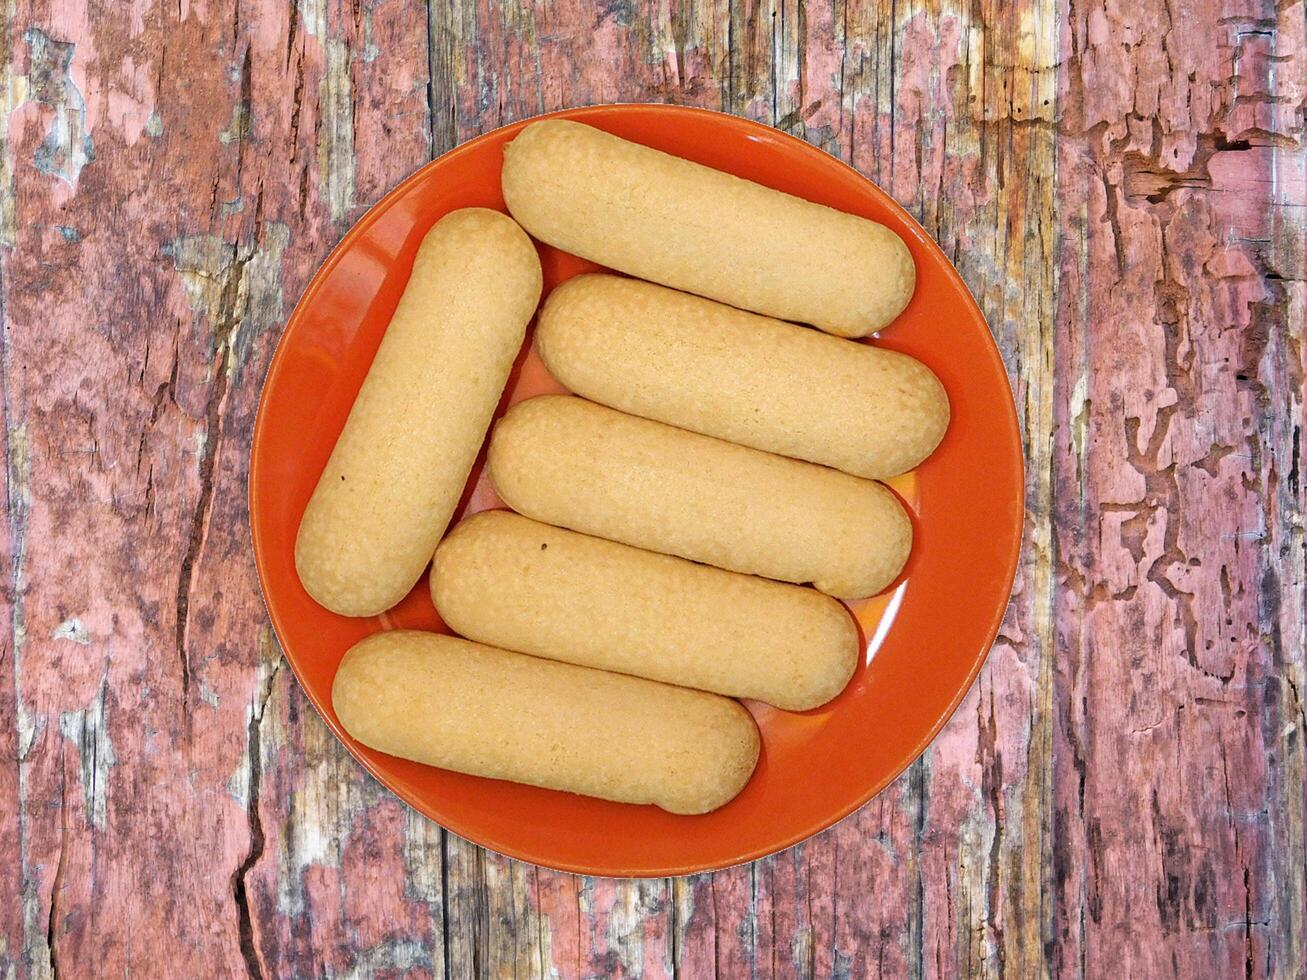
(1124, 190)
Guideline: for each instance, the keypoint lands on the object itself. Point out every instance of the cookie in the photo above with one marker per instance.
(700, 365)
(401, 462)
(566, 461)
(512, 582)
(476, 709)
(671, 221)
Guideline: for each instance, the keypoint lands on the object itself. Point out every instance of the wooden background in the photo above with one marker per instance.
(1124, 188)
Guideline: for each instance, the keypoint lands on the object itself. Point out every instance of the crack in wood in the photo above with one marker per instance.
(919, 794)
(227, 322)
(990, 759)
(445, 903)
(56, 889)
(296, 111)
(239, 879)
(1146, 180)
(242, 110)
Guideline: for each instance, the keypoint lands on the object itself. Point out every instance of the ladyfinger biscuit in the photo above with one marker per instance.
(665, 219)
(503, 579)
(566, 461)
(476, 709)
(710, 368)
(399, 466)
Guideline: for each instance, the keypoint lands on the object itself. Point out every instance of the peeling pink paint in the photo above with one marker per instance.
(1121, 793)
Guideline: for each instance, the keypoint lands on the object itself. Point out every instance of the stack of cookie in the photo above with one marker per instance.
(686, 523)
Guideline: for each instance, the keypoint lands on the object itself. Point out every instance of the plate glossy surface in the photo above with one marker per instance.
(926, 637)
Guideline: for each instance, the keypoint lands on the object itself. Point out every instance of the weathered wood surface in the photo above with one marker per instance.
(1124, 188)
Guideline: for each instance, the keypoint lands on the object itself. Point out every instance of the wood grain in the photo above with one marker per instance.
(1123, 189)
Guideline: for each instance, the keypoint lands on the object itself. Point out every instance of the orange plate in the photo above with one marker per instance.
(927, 636)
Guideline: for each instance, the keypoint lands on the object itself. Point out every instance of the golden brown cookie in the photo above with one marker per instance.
(700, 365)
(512, 582)
(399, 466)
(569, 462)
(671, 221)
(476, 709)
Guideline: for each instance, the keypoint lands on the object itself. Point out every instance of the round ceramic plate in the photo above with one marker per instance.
(925, 638)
